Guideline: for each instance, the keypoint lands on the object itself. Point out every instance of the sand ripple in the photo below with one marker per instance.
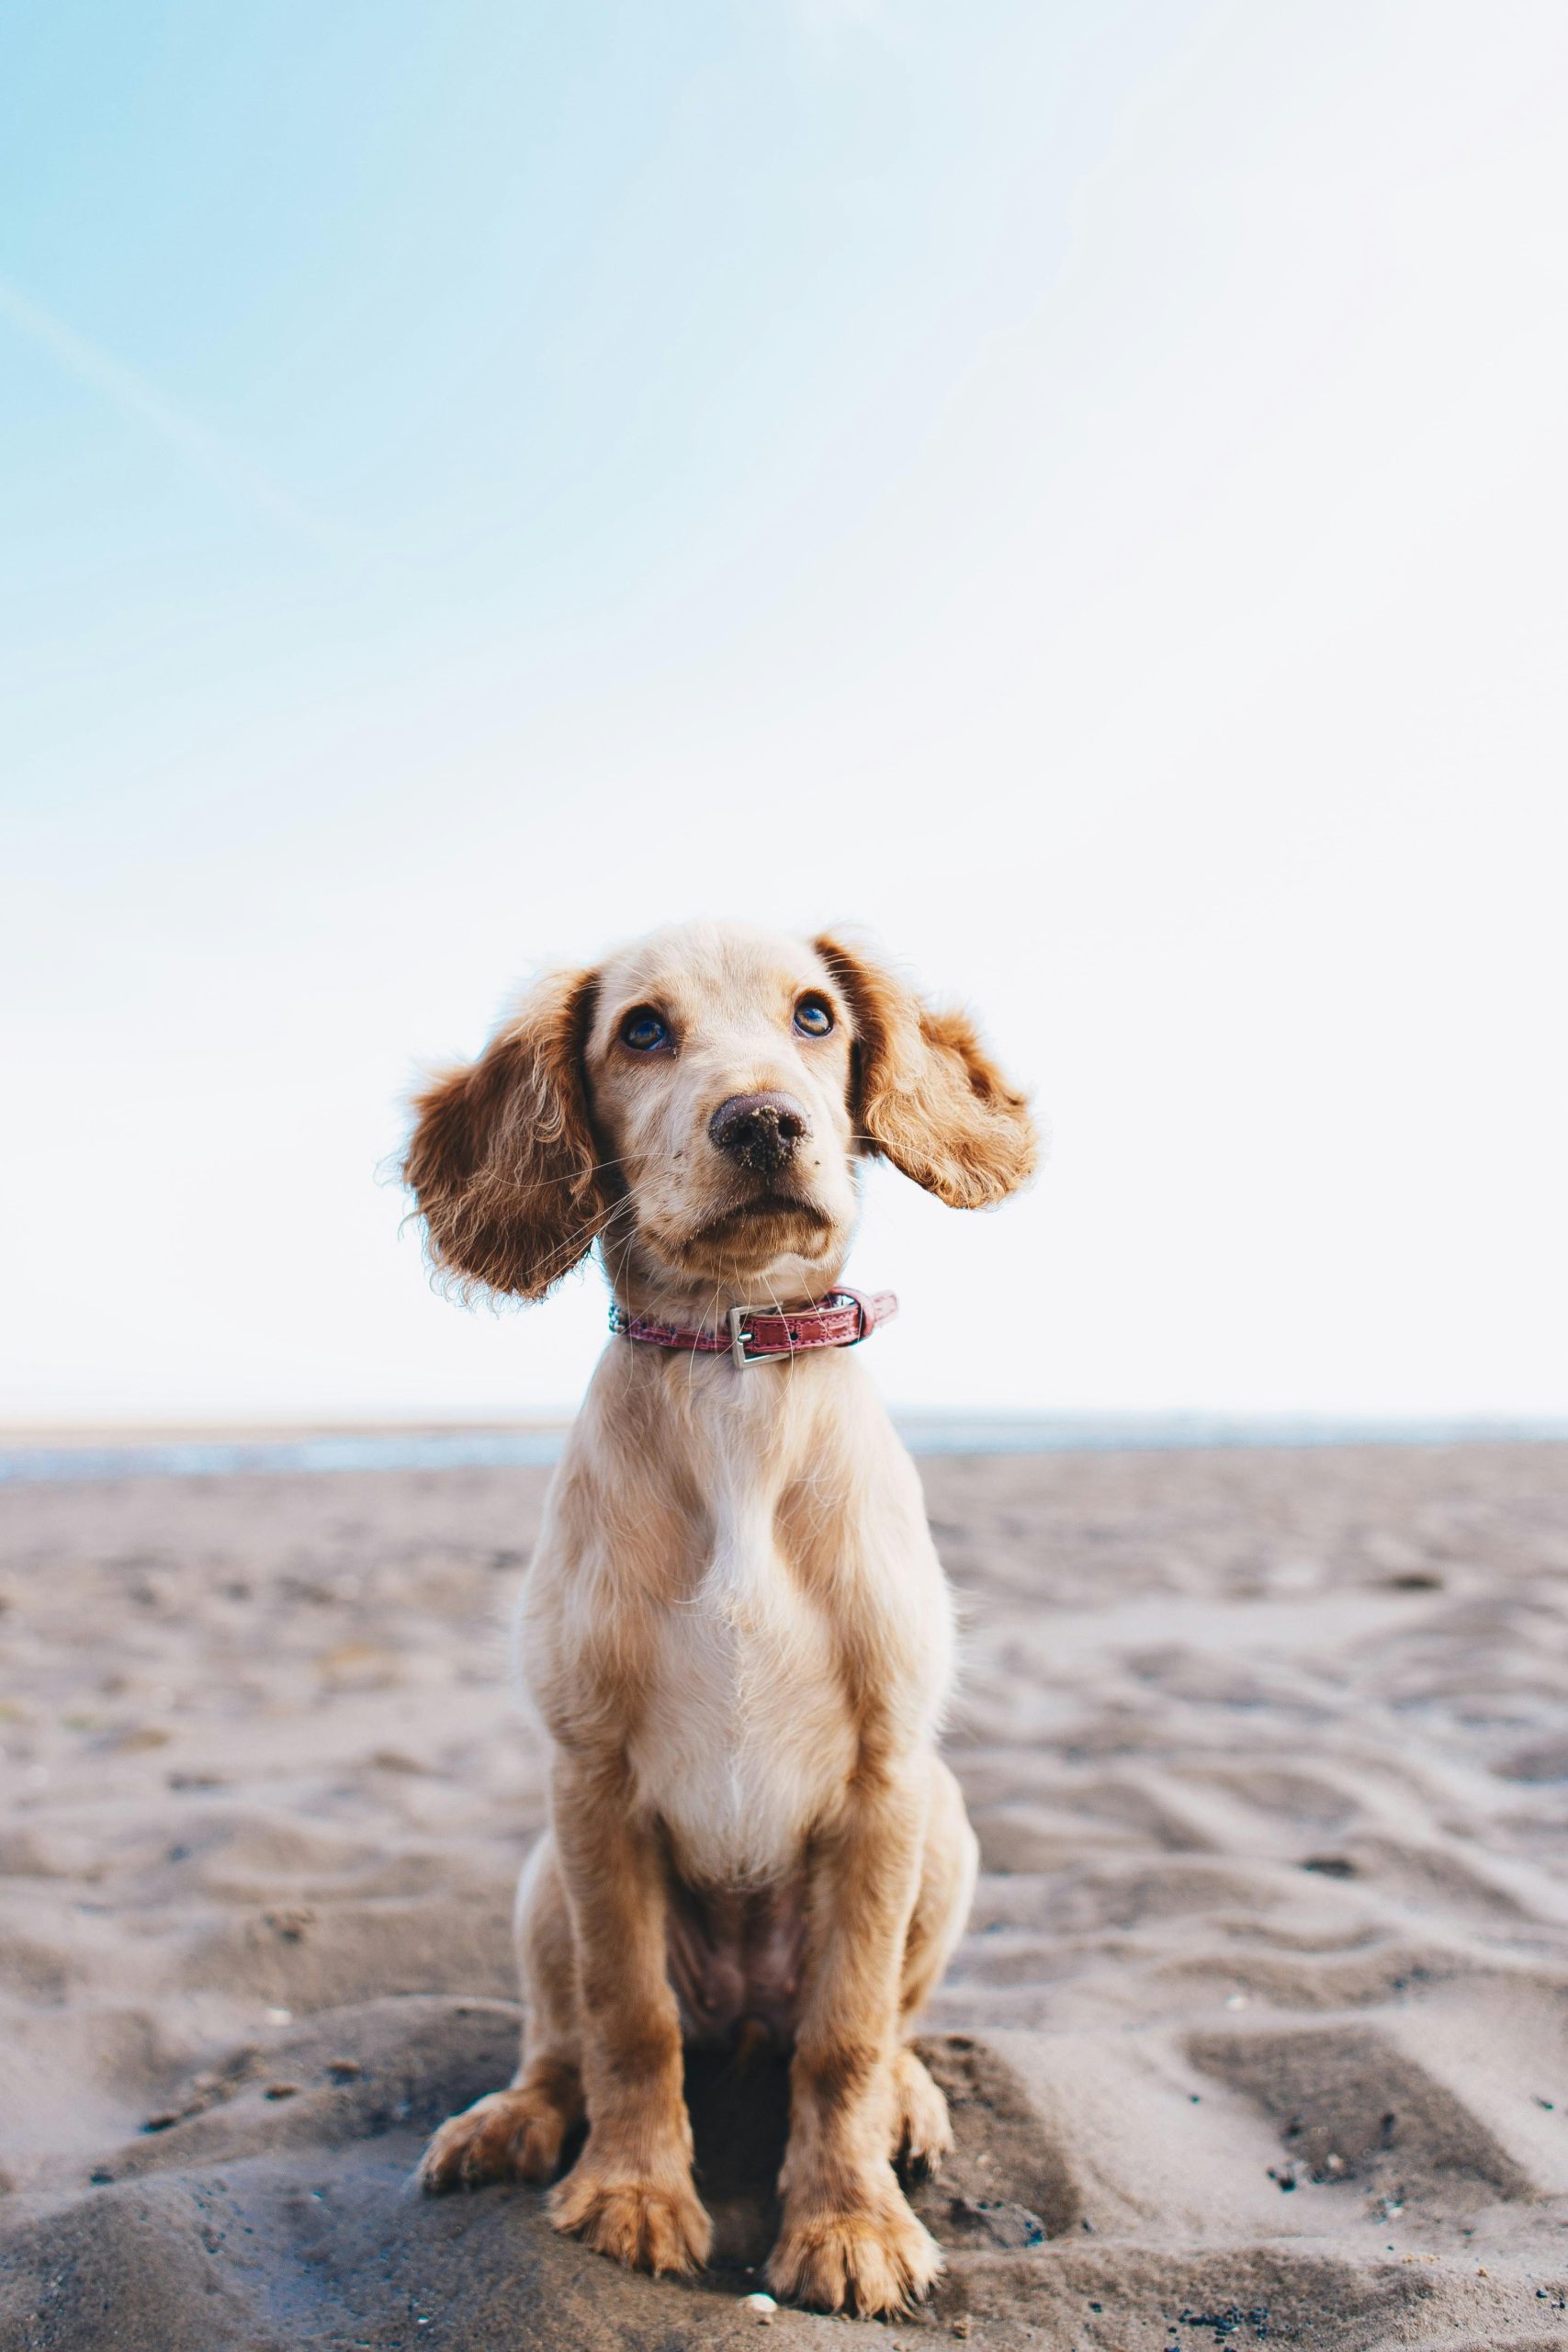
(1260, 2035)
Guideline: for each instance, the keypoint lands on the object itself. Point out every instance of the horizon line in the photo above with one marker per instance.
(96, 1454)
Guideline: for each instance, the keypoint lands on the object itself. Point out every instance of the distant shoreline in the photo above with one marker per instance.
(29, 1455)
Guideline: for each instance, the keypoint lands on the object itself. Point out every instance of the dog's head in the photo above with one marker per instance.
(700, 1104)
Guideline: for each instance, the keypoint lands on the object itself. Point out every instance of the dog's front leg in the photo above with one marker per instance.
(847, 2235)
(630, 2192)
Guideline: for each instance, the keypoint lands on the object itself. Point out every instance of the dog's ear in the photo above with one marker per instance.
(502, 1160)
(927, 1095)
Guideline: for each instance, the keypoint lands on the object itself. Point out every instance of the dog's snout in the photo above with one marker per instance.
(759, 1130)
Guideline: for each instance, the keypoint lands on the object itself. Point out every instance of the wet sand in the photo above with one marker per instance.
(1259, 2035)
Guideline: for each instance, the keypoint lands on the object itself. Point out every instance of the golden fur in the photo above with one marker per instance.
(734, 1627)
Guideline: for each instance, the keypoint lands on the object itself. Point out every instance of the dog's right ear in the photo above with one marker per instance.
(503, 1159)
(927, 1094)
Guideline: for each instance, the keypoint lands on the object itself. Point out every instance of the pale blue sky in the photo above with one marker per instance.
(1081, 489)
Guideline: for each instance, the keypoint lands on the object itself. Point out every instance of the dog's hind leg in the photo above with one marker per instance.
(517, 2135)
(923, 2134)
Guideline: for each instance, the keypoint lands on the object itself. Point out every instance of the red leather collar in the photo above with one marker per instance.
(760, 1334)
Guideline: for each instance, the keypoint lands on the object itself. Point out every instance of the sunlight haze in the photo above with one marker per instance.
(1080, 492)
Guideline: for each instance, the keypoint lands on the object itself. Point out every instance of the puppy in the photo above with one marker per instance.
(735, 1628)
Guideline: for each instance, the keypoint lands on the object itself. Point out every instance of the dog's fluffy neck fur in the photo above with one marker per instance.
(641, 1286)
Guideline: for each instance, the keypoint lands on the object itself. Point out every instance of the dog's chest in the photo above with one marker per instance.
(744, 1740)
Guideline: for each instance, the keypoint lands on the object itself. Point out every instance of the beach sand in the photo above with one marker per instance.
(1259, 2034)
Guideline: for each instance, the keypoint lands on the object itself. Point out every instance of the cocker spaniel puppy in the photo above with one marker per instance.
(734, 1627)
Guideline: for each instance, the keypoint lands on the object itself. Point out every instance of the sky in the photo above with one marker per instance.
(1080, 492)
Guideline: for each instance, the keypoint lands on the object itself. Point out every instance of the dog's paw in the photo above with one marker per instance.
(924, 2133)
(873, 2257)
(511, 2135)
(661, 2228)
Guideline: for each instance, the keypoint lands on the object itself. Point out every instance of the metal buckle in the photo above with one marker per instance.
(738, 1338)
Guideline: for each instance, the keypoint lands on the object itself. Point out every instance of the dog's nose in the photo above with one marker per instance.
(758, 1130)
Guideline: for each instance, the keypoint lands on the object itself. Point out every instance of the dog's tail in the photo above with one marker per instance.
(751, 2037)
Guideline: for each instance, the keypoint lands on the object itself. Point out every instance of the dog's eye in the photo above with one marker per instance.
(813, 1017)
(643, 1029)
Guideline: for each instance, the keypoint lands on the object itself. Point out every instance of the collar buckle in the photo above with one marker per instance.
(739, 1336)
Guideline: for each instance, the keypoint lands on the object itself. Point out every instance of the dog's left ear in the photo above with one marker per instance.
(927, 1095)
(502, 1159)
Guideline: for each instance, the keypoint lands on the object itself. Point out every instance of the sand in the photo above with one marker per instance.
(1260, 2035)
